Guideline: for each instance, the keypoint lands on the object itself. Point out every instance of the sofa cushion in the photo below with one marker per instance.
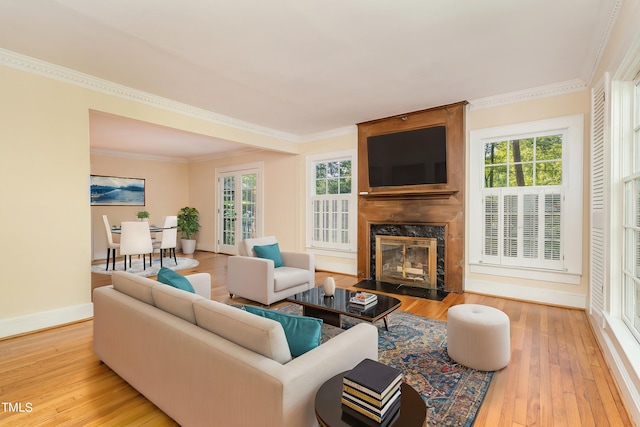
(177, 280)
(271, 252)
(135, 286)
(175, 301)
(303, 333)
(246, 246)
(287, 277)
(258, 334)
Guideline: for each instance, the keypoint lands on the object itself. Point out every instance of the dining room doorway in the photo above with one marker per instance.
(239, 205)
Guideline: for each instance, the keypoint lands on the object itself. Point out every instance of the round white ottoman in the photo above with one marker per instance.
(478, 337)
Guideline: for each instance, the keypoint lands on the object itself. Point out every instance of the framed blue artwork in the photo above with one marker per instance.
(116, 191)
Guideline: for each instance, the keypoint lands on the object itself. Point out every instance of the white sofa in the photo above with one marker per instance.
(256, 279)
(205, 363)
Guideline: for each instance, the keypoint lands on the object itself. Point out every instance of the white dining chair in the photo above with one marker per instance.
(170, 221)
(111, 246)
(169, 238)
(135, 239)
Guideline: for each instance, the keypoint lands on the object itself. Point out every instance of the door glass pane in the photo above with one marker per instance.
(248, 202)
(228, 210)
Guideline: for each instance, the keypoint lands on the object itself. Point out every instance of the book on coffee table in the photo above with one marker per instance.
(363, 298)
(373, 378)
(359, 413)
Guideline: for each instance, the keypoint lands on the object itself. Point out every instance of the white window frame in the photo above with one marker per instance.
(323, 247)
(569, 270)
(629, 150)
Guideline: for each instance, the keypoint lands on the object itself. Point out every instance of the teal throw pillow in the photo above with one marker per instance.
(271, 252)
(303, 333)
(171, 278)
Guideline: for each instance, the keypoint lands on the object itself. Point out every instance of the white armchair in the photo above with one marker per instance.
(257, 279)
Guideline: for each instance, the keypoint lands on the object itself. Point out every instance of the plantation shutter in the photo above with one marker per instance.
(598, 264)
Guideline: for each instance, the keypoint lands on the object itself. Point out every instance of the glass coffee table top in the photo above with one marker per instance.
(316, 304)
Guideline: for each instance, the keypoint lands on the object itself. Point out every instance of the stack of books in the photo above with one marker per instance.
(372, 390)
(363, 300)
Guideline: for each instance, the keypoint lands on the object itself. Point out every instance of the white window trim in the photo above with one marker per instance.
(572, 177)
(351, 251)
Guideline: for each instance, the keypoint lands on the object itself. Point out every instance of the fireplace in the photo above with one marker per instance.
(407, 260)
(423, 239)
(431, 211)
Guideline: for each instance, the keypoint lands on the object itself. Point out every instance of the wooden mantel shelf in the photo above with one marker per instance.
(410, 194)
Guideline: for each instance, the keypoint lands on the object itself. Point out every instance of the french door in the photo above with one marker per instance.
(239, 205)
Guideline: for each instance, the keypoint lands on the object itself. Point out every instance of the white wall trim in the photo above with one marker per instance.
(555, 89)
(45, 319)
(526, 293)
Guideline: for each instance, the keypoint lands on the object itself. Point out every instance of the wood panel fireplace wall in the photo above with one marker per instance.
(440, 205)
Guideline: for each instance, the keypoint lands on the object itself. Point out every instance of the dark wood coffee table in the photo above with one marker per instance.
(330, 309)
(413, 411)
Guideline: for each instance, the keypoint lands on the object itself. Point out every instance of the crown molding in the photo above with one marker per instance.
(333, 133)
(591, 66)
(555, 89)
(66, 75)
(137, 156)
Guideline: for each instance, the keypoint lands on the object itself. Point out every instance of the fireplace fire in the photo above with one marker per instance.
(407, 260)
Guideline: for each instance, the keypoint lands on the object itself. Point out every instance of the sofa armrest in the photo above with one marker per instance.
(305, 374)
(301, 260)
(250, 277)
(201, 283)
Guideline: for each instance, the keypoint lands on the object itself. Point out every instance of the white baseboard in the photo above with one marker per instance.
(620, 351)
(46, 319)
(515, 291)
(336, 267)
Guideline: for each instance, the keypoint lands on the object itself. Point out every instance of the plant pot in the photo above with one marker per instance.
(188, 246)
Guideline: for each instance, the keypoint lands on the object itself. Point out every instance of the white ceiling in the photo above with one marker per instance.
(305, 67)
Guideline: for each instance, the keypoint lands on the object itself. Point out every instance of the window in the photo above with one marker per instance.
(526, 185)
(522, 201)
(631, 222)
(333, 202)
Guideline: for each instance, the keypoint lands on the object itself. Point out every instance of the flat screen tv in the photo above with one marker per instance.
(413, 157)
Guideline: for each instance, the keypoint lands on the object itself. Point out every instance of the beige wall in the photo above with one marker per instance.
(166, 191)
(45, 167)
(538, 109)
(281, 188)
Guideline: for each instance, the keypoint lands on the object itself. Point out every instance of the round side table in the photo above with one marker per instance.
(413, 411)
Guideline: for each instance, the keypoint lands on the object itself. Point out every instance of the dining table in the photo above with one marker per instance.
(152, 229)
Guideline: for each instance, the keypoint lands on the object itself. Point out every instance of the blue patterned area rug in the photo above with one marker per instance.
(418, 346)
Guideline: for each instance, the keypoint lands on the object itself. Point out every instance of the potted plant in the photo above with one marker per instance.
(188, 224)
(143, 215)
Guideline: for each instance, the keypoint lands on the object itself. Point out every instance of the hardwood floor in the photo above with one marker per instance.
(557, 375)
